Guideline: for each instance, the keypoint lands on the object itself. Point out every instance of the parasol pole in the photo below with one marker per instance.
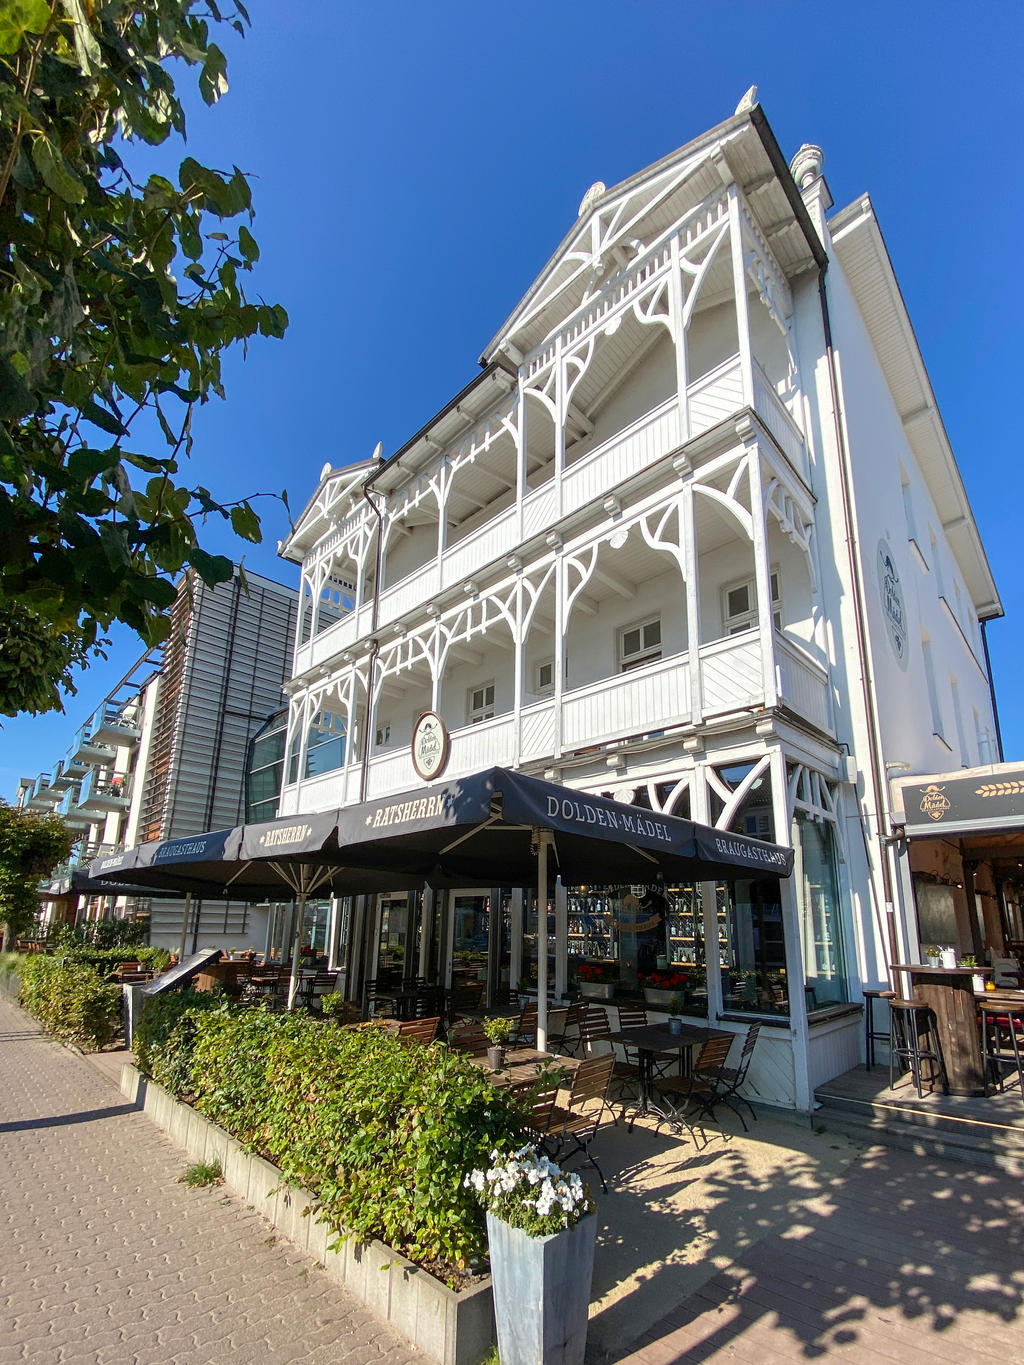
(300, 919)
(543, 839)
(184, 925)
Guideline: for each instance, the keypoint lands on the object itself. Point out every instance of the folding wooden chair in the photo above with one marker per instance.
(417, 1030)
(525, 1032)
(730, 1078)
(469, 1038)
(701, 1087)
(577, 1124)
(570, 1039)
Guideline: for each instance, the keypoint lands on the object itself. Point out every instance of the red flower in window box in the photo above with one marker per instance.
(669, 980)
(596, 971)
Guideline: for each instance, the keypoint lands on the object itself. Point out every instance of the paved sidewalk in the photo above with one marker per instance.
(903, 1260)
(105, 1258)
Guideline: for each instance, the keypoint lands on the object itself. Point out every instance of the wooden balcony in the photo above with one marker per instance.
(624, 706)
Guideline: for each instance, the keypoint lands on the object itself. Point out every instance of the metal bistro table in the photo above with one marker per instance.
(657, 1039)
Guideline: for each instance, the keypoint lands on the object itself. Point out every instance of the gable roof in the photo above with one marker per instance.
(652, 201)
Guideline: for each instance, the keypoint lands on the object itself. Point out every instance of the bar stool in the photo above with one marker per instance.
(871, 1034)
(909, 1022)
(1002, 1034)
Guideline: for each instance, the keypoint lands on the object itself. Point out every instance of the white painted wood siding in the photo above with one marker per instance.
(627, 704)
(730, 672)
(802, 683)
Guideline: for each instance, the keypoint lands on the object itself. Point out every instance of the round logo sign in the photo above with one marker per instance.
(430, 745)
(894, 613)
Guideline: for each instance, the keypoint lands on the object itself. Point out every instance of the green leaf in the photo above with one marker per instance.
(18, 17)
(101, 418)
(245, 523)
(213, 81)
(212, 569)
(247, 245)
(52, 167)
(86, 46)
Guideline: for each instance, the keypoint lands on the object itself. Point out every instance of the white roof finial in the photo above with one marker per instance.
(591, 197)
(748, 101)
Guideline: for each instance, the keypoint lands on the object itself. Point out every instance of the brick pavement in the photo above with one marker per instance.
(907, 1261)
(105, 1258)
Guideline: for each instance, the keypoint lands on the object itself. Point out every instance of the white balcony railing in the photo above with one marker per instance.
(625, 705)
(649, 698)
(772, 412)
(710, 400)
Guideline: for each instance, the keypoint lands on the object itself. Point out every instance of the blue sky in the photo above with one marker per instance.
(416, 165)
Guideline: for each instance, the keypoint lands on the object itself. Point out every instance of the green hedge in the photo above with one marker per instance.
(73, 1001)
(107, 960)
(381, 1132)
(172, 1014)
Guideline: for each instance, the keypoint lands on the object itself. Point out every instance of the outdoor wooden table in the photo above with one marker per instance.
(522, 1067)
(949, 994)
(657, 1039)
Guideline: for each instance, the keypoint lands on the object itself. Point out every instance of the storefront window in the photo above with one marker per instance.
(753, 958)
(640, 942)
(817, 891)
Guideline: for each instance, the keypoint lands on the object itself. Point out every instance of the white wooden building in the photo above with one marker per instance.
(694, 537)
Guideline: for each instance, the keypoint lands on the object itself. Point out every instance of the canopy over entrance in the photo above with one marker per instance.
(470, 831)
(494, 828)
(965, 857)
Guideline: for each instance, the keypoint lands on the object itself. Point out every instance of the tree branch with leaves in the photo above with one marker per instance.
(117, 300)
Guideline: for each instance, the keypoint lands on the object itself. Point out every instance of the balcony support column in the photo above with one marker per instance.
(762, 575)
(559, 659)
(700, 810)
(521, 461)
(688, 535)
(677, 325)
(561, 413)
(739, 281)
(518, 645)
(790, 906)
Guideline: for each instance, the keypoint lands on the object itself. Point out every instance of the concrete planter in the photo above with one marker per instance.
(542, 1292)
(597, 990)
(451, 1328)
(654, 995)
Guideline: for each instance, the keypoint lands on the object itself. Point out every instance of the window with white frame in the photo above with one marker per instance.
(739, 605)
(480, 703)
(325, 743)
(544, 677)
(639, 644)
(383, 733)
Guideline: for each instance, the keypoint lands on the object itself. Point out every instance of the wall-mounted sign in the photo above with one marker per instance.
(991, 799)
(430, 746)
(894, 612)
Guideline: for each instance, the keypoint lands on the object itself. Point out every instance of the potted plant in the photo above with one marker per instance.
(661, 987)
(596, 980)
(676, 1007)
(498, 1032)
(934, 954)
(541, 1231)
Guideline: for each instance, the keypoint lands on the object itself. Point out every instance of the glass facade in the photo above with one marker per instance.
(820, 918)
(264, 770)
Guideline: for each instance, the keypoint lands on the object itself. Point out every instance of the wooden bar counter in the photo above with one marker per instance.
(949, 993)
